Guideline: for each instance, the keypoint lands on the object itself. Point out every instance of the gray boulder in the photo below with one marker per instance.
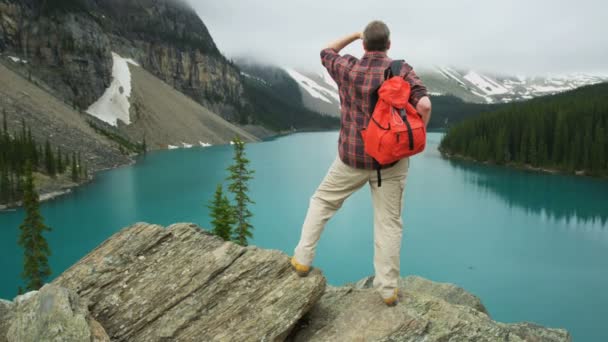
(428, 311)
(5, 316)
(148, 283)
(50, 314)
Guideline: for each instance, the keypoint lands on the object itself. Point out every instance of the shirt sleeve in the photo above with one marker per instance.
(418, 89)
(337, 66)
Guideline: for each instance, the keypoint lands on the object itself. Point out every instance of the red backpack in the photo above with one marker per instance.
(395, 130)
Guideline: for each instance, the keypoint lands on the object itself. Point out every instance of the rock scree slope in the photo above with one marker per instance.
(180, 283)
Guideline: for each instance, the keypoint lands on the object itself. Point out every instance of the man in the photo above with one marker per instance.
(357, 79)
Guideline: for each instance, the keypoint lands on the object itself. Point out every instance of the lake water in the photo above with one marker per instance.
(533, 246)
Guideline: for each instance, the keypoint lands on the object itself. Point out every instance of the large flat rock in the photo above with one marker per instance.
(428, 311)
(149, 283)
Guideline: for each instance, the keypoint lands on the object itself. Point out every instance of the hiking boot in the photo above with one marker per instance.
(392, 300)
(301, 270)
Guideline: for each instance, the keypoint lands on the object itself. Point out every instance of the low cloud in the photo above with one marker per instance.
(523, 37)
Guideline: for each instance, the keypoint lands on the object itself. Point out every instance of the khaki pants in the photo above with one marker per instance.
(340, 182)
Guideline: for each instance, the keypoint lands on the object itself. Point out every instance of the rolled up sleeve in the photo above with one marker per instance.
(337, 66)
(418, 89)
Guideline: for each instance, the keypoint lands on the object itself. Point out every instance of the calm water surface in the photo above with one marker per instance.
(533, 246)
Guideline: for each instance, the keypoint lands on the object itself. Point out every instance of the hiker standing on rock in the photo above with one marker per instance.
(358, 81)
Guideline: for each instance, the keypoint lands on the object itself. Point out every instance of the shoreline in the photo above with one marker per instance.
(525, 167)
(45, 196)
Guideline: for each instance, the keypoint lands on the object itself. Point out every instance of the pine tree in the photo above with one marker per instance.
(35, 248)
(144, 145)
(75, 177)
(240, 175)
(222, 214)
(4, 122)
(5, 186)
(49, 159)
(60, 166)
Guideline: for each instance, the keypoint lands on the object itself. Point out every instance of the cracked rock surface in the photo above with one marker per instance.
(149, 283)
(428, 311)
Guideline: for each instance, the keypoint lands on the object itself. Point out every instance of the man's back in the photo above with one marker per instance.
(357, 80)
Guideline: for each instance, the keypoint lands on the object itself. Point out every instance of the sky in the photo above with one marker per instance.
(527, 37)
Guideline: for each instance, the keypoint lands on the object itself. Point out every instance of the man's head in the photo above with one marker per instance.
(376, 36)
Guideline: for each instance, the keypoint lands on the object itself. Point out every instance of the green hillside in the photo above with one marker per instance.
(566, 132)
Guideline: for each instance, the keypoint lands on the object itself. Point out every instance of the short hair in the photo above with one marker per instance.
(376, 36)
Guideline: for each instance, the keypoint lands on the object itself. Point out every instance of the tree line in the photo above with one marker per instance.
(566, 132)
(17, 149)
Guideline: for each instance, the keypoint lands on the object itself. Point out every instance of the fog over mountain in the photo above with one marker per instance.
(510, 37)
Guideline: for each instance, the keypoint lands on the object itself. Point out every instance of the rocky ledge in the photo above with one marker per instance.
(149, 283)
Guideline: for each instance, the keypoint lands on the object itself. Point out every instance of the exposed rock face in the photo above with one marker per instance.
(69, 52)
(68, 46)
(147, 283)
(167, 117)
(51, 314)
(428, 311)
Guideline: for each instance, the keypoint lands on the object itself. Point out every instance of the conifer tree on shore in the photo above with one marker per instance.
(239, 177)
(35, 248)
(222, 214)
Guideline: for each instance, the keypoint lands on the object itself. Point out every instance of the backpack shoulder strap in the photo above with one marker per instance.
(394, 69)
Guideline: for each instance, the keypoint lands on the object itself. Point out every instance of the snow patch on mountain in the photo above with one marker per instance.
(254, 78)
(485, 84)
(114, 104)
(312, 87)
(496, 88)
(328, 80)
(451, 74)
(17, 60)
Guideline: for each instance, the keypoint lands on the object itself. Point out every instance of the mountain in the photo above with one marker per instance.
(474, 86)
(180, 283)
(277, 102)
(320, 92)
(564, 132)
(132, 70)
(141, 70)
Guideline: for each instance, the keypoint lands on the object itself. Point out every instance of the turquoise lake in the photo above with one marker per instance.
(533, 246)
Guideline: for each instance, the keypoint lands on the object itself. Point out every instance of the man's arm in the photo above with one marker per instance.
(424, 109)
(335, 64)
(341, 43)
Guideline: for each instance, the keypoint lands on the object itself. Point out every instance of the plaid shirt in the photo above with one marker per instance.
(356, 79)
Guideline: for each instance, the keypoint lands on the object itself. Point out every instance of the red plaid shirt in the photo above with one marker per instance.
(356, 79)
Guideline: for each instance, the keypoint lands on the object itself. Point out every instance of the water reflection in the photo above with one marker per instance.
(554, 197)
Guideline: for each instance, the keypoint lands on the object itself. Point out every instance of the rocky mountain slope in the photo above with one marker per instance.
(50, 117)
(320, 93)
(277, 102)
(149, 283)
(494, 88)
(83, 50)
